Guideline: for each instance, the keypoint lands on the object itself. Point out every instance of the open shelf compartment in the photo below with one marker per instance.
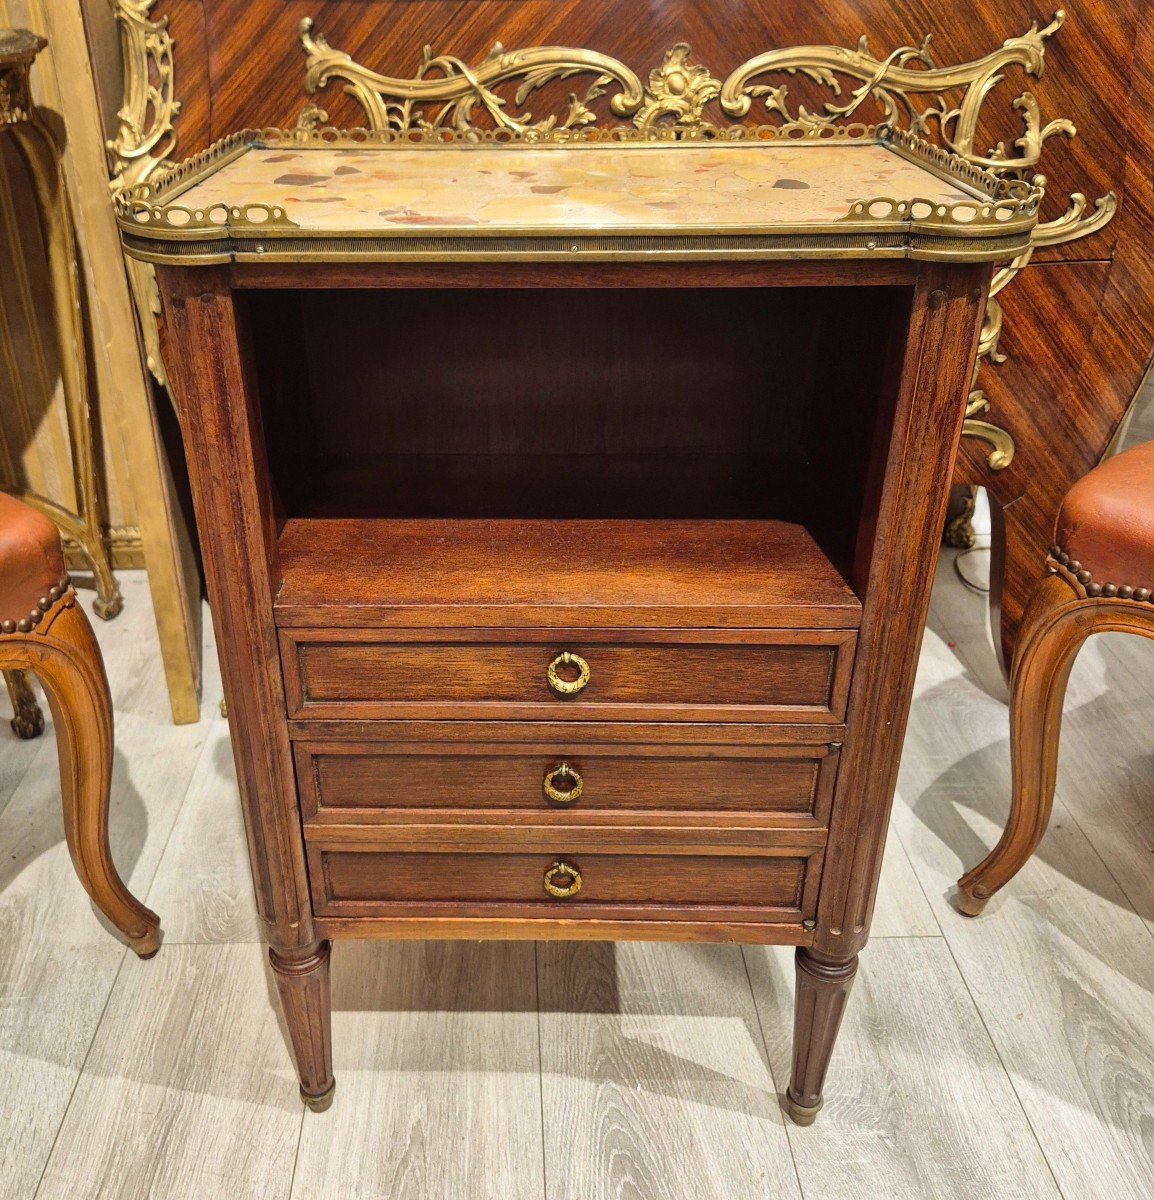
(693, 456)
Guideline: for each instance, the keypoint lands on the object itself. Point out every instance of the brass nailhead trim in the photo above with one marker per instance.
(29, 623)
(1109, 591)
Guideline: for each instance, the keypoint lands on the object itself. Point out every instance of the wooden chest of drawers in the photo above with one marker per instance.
(599, 626)
(674, 772)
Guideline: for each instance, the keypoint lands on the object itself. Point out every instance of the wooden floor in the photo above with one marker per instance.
(1011, 1056)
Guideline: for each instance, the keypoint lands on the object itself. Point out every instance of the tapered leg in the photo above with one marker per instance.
(823, 986)
(65, 657)
(27, 719)
(302, 979)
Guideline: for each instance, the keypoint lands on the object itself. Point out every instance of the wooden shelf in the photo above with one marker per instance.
(725, 574)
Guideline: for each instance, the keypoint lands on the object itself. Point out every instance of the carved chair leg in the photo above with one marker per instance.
(823, 986)
(66, 659)
(1053, 630)
(27, 719)
(302, 979)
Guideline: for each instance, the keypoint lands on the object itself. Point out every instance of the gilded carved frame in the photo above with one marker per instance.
(673, 102)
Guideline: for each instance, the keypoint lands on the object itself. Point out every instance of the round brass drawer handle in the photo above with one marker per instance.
(568, 687)
(562, 880)
(563, 773)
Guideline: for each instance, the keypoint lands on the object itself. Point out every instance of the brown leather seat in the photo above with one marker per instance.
(1105, 531)
(32, 573)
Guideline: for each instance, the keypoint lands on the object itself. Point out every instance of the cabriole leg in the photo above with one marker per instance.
(66, 659)
(1050, 640)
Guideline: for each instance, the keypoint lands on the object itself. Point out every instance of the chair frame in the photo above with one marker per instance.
(57, 645)
(1067, 608)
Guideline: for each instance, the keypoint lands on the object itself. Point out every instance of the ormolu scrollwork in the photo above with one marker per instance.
(906, 89)
(890, 83)
(144, 140)
(398, 104)
(145, 137)
(679, 95)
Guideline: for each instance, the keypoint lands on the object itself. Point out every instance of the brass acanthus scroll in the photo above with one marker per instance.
(905, 90)
(144, 140)
(460, 90)
(145, 137)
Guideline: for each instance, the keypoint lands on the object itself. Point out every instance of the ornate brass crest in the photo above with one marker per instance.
(906, 90)
(679, 91)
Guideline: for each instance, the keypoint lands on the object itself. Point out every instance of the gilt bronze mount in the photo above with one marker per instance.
(907, 89)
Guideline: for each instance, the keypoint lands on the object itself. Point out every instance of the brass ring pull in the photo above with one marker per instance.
(562, 880)
(568, 687)
(566, 773)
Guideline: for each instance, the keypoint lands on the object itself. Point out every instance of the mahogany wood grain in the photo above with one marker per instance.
(621, 886)
(669, 574)
(221, 425)
(821, 991)
(919, 446)
(496, 832)
(398, 926)
(302, 980)
(880, 487)
(630, 779)
(611, 426)
(635, 675)
(792, 274)
(718, 737)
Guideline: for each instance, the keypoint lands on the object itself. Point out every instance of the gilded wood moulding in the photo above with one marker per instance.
(905, 89)
(40, 154)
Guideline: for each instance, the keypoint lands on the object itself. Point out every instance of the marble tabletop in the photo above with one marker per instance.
(548, 188)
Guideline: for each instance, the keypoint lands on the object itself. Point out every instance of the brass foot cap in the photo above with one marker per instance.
(148, 945)
(321, 1103)
(968, 904)
(800, 1114)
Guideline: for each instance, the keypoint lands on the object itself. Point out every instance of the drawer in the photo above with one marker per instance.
(753, 887)
(563, 777)
(771, 676)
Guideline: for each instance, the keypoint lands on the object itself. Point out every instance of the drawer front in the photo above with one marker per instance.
(561, 778)
(608, 886)
(780, 675)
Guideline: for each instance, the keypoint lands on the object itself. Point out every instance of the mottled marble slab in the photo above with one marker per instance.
(556, 188)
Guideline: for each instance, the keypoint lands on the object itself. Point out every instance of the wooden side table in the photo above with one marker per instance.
(569, 500)
(40, 153)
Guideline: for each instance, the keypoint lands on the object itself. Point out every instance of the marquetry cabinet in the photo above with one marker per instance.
(568, 501)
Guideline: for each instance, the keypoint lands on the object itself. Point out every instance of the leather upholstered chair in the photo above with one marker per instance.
(1100, 578)
(43, 631)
